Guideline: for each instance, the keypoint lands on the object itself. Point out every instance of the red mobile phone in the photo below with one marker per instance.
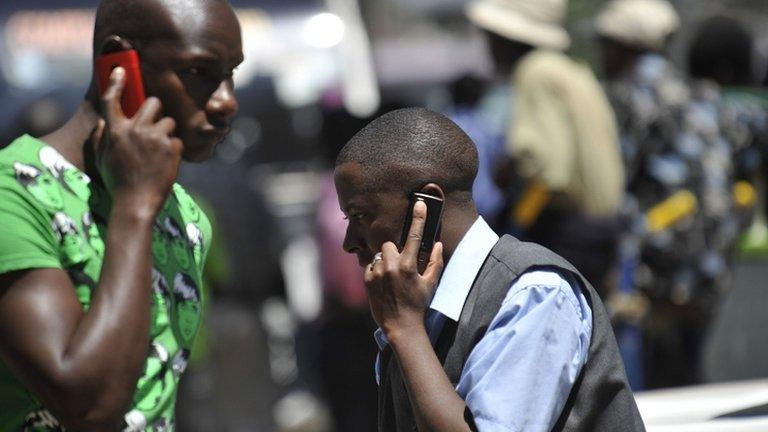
(133, 92)
(431, 226)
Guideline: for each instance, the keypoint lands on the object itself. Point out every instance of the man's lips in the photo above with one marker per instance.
(364, 261)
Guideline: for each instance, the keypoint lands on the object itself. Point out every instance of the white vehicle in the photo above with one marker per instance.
(734, 406)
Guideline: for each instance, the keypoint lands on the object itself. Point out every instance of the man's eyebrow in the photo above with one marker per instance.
(198, 54)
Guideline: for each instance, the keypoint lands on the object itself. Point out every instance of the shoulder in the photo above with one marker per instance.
(24, 149)
(520, 257)
(197, 224)
(543, 286)
(28, 176)
(542, 66)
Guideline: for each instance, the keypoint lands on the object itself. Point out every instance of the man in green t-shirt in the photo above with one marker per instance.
(101, 253)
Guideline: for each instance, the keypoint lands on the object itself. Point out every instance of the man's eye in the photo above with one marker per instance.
(197, 72)
(354, 217)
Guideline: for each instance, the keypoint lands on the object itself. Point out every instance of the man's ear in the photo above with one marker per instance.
(434, 190)
(110, 44)
(114, 43)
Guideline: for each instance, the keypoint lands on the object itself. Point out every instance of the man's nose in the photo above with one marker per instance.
(351, 243)
(223, 104)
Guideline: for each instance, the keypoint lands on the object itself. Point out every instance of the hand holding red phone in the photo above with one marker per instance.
(398, 294)
(133, 91)
(138, 158)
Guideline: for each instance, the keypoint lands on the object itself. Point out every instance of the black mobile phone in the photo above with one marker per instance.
(431, 225)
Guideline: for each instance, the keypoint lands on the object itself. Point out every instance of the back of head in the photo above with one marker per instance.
(406, 149)
(534, 22)
(640, 24)
(722, 51)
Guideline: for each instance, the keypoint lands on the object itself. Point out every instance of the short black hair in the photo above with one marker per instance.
(405, 149)
(722, 50)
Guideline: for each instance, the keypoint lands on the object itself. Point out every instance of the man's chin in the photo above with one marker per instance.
(198, 153)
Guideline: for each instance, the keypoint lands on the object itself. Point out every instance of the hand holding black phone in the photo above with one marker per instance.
(431, 232)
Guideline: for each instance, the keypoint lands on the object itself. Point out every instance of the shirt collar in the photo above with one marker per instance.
(459, 274)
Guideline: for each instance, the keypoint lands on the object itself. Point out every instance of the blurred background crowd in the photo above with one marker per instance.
(630, 136)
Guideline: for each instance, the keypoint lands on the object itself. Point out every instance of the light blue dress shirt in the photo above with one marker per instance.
(518, 377)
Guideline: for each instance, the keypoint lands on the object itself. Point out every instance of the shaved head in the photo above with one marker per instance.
(406, 149)
(142, 22)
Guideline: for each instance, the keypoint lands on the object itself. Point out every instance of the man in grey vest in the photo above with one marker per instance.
(505, 335)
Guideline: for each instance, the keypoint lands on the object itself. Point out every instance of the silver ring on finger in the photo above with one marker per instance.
(376, 258)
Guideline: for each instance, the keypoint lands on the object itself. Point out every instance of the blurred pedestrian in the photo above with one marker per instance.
(723, 54)
(506, 336)
(472, 101)
(562, 139)
(682, 220)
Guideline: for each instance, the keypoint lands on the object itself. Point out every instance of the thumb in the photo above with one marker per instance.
(112, 96)
(98, 135)
(435, 267)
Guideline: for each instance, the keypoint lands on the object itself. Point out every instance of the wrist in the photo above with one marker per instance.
(398, 334)
(135, 208)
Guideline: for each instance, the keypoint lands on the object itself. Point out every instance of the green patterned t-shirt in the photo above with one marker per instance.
(53, 216)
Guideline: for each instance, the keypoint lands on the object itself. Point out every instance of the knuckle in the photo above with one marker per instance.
(115, 132)
(382, 273)
(176, 145)
(135, 132)
(407, 267)
(156, 136)
(391, 271)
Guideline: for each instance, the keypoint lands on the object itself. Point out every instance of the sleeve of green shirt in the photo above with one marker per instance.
(26, 238)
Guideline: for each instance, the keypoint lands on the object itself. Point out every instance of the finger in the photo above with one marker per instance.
(98, 135)
(166, 125)
(111, 98)
(149, 111)
(413, 242)
(368, 275)
(389, 252)
(177, 146)
(435, 267)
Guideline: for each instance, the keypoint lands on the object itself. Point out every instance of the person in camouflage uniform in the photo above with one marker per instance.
(101, 252)
(681, 152)
(722, 54)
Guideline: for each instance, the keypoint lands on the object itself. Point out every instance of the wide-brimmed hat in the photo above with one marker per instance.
(640, 23)
(535, 22)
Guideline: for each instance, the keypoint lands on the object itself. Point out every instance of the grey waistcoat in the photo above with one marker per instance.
(600, 400)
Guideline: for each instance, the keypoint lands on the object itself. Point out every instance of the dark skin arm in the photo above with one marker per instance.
(83, 366)
(399, 297)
